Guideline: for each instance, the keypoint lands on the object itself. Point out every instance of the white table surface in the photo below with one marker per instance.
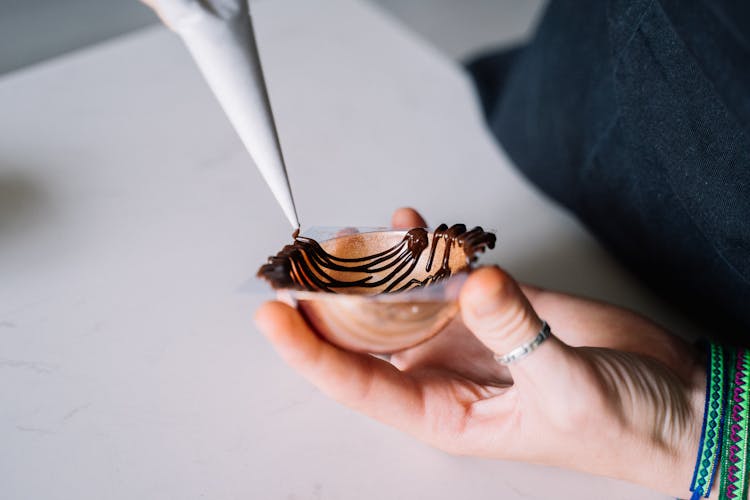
(132, 221)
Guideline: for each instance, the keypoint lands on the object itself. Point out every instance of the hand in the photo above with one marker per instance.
(610, 393)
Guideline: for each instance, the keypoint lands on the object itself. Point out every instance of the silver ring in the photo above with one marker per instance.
(524, 350)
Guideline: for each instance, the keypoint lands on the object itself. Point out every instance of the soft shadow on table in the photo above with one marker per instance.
(23, 203)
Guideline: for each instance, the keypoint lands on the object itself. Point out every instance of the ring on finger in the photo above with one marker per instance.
(525, 349)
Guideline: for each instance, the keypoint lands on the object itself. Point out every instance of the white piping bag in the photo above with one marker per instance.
(219, 35)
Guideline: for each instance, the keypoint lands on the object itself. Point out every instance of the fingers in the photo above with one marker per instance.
(407, 218)
(497, 312)
(362, 382)
(152, 4)
(585, 322)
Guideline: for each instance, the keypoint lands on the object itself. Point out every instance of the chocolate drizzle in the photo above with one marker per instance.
(306, 265)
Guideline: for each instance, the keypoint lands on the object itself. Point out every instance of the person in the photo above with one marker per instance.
(635, 117)
(607, 390)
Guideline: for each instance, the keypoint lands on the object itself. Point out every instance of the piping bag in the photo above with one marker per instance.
(220, 37)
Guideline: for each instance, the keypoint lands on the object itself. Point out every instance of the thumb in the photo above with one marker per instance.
(495, 309)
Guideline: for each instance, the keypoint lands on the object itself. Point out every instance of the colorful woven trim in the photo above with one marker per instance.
(734, 467)
(713, 420)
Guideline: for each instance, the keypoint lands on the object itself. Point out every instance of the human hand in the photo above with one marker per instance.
(610, 393)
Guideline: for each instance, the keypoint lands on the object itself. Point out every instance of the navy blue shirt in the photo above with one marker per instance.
(635, 115)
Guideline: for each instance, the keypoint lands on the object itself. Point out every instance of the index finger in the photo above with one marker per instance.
(362, 382)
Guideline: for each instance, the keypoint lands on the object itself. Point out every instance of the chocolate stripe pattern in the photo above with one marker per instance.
(306, 265)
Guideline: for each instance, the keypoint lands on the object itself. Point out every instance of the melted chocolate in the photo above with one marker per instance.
(306, 265)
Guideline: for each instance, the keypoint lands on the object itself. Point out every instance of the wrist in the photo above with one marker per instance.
(665, 461)
(686, 459)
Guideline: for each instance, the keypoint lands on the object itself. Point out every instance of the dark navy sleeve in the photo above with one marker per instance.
(635, 115)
